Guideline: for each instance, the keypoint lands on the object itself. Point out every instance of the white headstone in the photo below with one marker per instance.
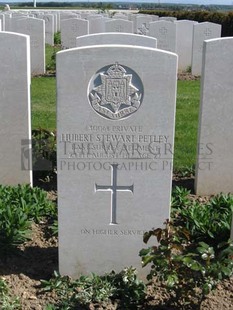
(184, 34)
(165, 33)
(96, 25)
(120, 16)
(49, 28)
(214, 167)
(7, 22)
(141, 24)
(119, 25)
(168, 18)
(35, 28)
(93, 16)
(201, 32)
(116, 38)
(2, 19)
(115, 143)
(67, 15)
(155, 18)
(15, 116)
(72, 28)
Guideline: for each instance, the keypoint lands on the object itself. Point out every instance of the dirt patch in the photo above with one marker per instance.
(38, 258)
(187, 76)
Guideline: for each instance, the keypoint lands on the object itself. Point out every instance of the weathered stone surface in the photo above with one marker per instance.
(115, 149)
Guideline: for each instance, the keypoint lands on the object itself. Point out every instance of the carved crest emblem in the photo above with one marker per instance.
(115, 97)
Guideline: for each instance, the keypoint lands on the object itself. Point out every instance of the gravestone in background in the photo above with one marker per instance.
(214, 167)
(72, 28)
(35, 28)
(141, 24)
(2, 21)
(49, 28)
(15, 116)
(165, 33)
(115, 122)
(116, 38)
(120, 16)
(184, 41)
(201, 32)
(119, 25)
(97, 25)
(168, 18)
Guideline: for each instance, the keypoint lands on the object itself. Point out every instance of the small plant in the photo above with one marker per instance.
(209, 222)
(123, 287)
(19, 206)
(44, 150)
(188, 171)
(193, 252)
(189, 69)
(57, 38)
(7, 302)
(51, 55)
(54, 228)
(180, 198)
(188, 270)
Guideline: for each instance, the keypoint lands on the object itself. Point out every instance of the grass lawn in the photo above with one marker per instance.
(43, 100)
(187, 110)
(43, 94)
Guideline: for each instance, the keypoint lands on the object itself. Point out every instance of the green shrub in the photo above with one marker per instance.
(188, 270)
(193, 252)
(124, 287)
(44, 154)
(7, 302)
(19, 206)
(57, 38)
(209, 222)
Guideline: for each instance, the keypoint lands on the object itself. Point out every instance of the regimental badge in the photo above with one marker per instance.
(112, 92)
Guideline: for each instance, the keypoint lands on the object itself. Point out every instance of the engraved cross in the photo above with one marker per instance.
(207, 32)
(163, 31)
(114, 188)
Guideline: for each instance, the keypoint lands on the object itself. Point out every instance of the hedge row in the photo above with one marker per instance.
(225, 19)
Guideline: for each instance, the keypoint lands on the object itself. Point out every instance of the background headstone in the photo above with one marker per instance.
(119, 25)
(201, 32)
(165, 33)
(15, 116)
(49, 28)
(116, 38)
(141, 24)
(35, 28)
(115, 143)
(2, 18)
(214, 167)
(184, 37)
(96, 25)
(72, 28)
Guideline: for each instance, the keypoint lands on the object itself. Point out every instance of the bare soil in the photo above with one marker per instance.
(38, 258)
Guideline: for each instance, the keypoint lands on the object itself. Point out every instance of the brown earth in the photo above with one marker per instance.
(38, 258)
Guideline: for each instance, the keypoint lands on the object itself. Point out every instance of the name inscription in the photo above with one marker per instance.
(126, 146)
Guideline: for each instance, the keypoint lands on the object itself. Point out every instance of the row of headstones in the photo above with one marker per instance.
(115, 133)
(182, 37)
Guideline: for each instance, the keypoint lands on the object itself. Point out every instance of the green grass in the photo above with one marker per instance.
(43, 93)
(187, 109)
(43, 99)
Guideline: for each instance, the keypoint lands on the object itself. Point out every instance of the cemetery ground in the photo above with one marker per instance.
(193, 256)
